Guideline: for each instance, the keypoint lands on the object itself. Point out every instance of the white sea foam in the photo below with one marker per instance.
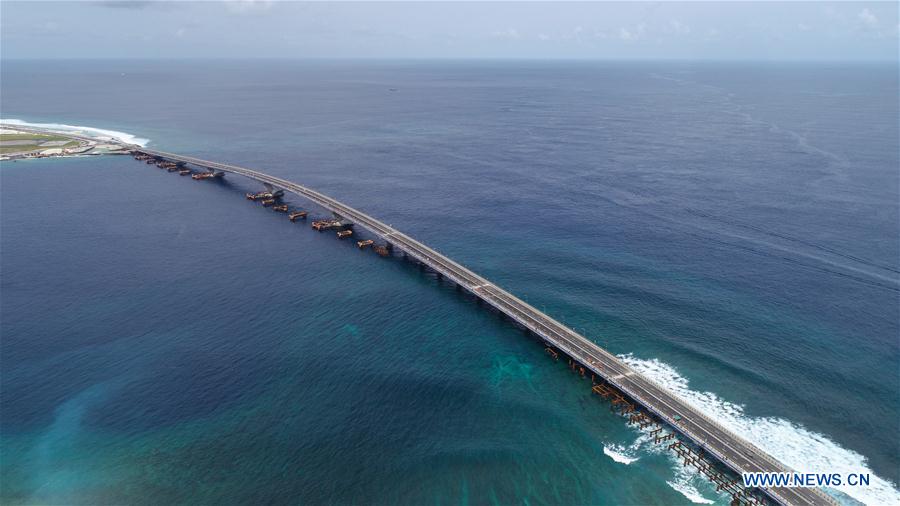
(791, 443)
(684, 483)
(99, 133)
(690, 492)
(684, 479)
(619, 454)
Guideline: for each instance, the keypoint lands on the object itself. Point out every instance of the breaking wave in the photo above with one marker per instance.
(683, 483)
(619, 454)
(791, 443)
(99, 133)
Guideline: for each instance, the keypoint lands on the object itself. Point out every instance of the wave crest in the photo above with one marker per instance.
(789, 442)
(684, 484)
(618, 454)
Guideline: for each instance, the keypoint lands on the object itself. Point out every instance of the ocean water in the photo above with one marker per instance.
(730, 229)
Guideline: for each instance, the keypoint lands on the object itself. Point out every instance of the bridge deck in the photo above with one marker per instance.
(730, 449)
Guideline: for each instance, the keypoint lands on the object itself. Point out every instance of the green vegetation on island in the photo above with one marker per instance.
(21, 143)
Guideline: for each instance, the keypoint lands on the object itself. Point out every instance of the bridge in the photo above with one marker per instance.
(728, 448)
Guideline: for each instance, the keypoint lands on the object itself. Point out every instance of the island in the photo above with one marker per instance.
(15, 144)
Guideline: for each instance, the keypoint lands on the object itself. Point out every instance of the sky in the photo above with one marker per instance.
(719, 30)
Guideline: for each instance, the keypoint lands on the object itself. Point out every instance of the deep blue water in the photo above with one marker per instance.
(733, 227)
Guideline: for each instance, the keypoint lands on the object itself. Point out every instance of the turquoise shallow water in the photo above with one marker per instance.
(163, 340)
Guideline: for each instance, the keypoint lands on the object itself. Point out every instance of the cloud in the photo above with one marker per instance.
(803, 27)
(124, 4)
(679, 28)
(632, 34)
(509, 33)
(47, 27)
(543, 36)
(575, 34)
(867, 19)
(247, 6)
(601, 33)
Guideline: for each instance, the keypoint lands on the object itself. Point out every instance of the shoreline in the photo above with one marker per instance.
(47, 146)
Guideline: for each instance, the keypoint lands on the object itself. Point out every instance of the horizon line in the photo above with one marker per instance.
(895, 61)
